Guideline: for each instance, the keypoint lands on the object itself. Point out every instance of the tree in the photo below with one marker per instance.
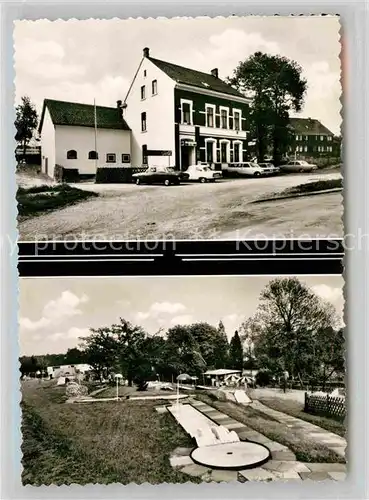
(222, 347)
(185, 352)
(25, 122)
(287, 327)
(276, 87)
(236, 352)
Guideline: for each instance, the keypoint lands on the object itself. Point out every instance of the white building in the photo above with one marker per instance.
(180, 116)
(65, 370)
(69, 140)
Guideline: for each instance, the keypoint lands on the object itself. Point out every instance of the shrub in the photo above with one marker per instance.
(263, 378)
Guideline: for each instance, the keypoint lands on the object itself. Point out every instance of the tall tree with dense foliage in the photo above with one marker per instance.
(276, 87)
(236, 352)
(287, 328)
(222, 347)
(25, 122)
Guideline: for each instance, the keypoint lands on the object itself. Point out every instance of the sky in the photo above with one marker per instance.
(54, 313)
(82, 60)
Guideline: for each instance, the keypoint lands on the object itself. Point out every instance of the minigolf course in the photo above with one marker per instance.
(217, 446)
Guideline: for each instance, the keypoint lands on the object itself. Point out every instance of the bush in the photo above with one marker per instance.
(106, 175)
(263, 378)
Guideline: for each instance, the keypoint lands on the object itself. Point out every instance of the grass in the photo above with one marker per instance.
(296, 410)
(101, 443)
(305, 450)
(310, 187)
(38, 199)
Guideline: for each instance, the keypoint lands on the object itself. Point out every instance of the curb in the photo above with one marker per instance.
(298, 195)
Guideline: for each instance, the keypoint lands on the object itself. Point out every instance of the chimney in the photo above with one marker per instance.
(119, 107)
(214, 72)
(146, 52)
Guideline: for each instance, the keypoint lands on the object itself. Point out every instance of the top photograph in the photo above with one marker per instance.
(179, 129)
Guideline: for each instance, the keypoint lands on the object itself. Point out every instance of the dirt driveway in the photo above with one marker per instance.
(192, 211)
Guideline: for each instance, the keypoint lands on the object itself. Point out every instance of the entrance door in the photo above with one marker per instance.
(185, 151)
(223, 152)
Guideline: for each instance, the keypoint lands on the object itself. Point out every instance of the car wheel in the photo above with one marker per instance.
(202, 180)
(138, 181)
(257, 174)
(167, 182)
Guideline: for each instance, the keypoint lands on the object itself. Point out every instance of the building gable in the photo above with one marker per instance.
(309, 126)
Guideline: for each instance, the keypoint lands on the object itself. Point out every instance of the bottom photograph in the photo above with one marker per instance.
(176, 379)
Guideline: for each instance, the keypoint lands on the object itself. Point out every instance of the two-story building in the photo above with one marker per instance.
(180, 116)
(311, 139)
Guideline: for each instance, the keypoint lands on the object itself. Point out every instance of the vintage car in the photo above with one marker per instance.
(269, 168)
(298, 166)
(245, 169)
(202, 173)
(159, 175)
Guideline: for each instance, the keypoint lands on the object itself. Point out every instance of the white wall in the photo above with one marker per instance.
(82, 139)
(48, 145)
(159, 115)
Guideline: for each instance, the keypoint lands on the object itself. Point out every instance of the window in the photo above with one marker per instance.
(145, 72)
(237, 120)
(305, 149)
(92, 155)
(209, 151)
(72, 154)
(306, 137)
(322, 137)
(126, 158)
(209, 116)
(111, 158)
(330, 138)
(186, 113)
(297, 137)
(154, 87)
(223, 152)
(143, 92)
(236, 155)
(224, 118)
(143, 122)
(144, 154)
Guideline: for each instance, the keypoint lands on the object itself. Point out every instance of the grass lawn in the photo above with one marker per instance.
(320, 185)
(38, 199)
(123, 391)
(297, 410)
(305, 450)
(96, 442)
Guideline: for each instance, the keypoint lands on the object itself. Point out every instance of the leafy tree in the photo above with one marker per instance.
(185, 351)
(287, 327)
(74, 356)
(236, 352)
(276, 87)
(25, 122)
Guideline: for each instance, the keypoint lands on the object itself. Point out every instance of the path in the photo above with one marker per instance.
(282, 466)
(313, 432)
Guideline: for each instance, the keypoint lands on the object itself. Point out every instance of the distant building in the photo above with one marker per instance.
(311, 139)
(65, 370)
(68, 137)
(180, 116)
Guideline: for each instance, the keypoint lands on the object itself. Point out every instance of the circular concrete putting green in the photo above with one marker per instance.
(239, 455)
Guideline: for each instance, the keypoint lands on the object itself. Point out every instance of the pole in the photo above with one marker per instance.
(117, 388)
(95, 125)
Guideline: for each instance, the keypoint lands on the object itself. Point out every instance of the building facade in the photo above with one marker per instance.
(181, 116)
(71, 140)
(311, 139)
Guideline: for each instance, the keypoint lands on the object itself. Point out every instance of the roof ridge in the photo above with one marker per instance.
(79, 103)
(185, 67)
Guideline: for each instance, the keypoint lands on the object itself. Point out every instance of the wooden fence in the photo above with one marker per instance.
(328, 406)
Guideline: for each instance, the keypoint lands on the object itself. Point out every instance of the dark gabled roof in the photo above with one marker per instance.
(82, 115)
(309, 126)
(195, 78)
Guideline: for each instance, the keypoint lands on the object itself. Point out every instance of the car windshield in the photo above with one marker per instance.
(303, 162)
(254, 165)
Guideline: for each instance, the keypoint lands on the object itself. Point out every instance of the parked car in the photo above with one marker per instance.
(202, 173)
(158, 175)
(248, 169)
(269, 168)
(298, 166)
